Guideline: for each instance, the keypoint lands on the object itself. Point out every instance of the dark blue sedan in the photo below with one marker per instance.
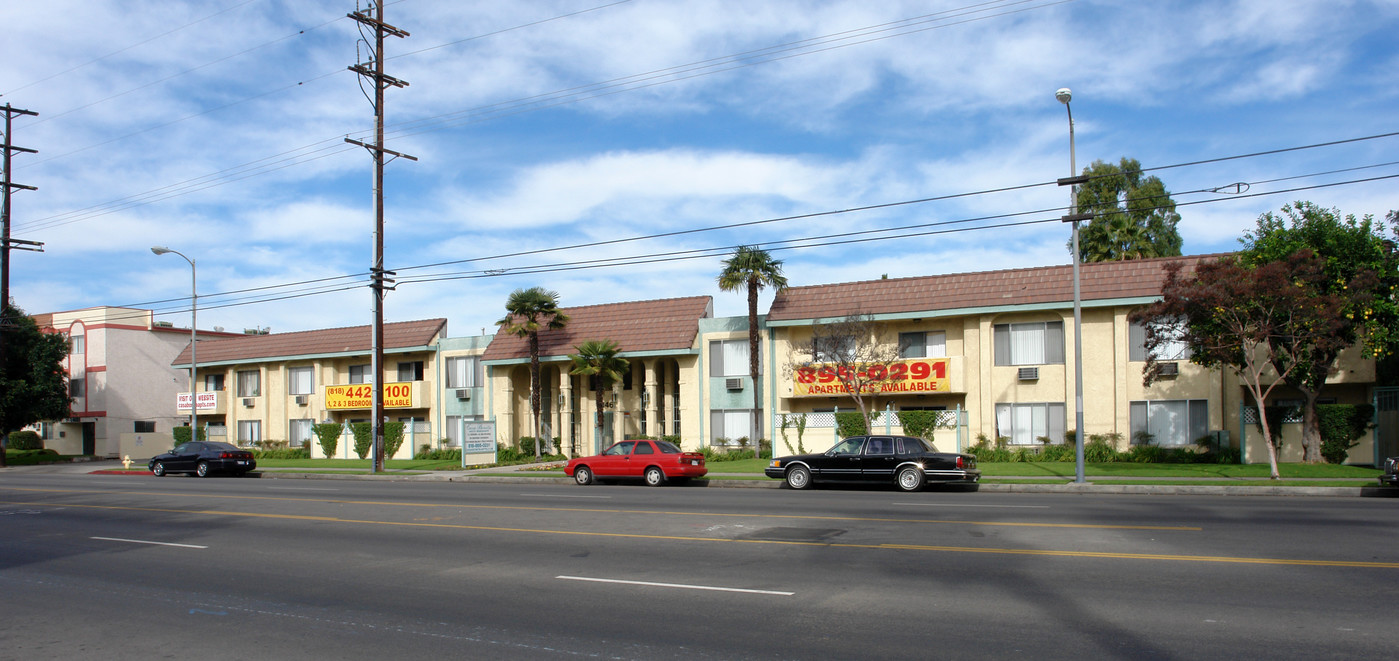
(203, 458)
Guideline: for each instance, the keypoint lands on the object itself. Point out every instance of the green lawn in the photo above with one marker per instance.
(1066, 469)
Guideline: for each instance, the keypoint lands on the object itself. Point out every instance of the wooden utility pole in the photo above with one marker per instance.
(6, 243)
(372, 18)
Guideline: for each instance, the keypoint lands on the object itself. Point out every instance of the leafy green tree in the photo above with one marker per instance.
(1359, 265)
(529, 311)
(751, 269)
(599, 359)
(33, 383)
(1253, 319)
(1134, 217)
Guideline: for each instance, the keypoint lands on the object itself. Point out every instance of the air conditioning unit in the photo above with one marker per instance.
(248, 402)
(1029, 373)
(301, 400)
(464, 393)
(733, 383)
(1170, 369)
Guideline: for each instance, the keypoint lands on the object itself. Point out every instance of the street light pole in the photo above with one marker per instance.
(193, 326)
(1064, 95)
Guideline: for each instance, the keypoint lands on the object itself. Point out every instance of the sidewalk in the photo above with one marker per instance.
(515, 475)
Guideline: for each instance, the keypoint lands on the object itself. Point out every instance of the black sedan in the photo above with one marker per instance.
(1390, 475)
(203, 458)
(907, 462)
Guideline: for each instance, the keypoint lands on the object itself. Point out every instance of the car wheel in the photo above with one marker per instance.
(798, 477)
(582, 475)
(910, 479)
(202, 469)
(158, 468)
(654, 477)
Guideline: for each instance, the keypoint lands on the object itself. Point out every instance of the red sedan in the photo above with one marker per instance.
(655, 462)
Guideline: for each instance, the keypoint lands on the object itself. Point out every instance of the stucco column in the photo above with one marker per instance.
(653, 417)
(564, 428)
(619, 424)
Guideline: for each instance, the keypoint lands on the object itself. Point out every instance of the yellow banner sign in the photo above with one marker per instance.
(360, 396)
(908, 376)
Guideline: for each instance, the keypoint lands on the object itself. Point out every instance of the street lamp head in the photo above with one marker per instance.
(160, 250)
(1064, 95)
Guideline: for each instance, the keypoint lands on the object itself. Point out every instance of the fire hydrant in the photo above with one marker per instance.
(126, 462)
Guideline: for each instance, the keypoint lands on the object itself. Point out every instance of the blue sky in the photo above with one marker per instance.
(216, 128)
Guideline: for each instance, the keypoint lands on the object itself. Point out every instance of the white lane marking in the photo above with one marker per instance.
(550, 495)
(673, 585)
(1023, 507)
(142, 541)
(298, 489)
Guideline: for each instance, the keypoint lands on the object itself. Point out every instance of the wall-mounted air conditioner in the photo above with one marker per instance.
(1029, 373)
(301, 400)
(1170, 369)
(733, 383)
(248, 402)
(464, 393)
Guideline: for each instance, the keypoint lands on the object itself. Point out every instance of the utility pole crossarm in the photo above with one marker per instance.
(365, 18)
(380, 149)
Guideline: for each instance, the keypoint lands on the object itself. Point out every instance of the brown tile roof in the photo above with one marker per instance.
(1047, 284)
(354, 339)
(662, 325)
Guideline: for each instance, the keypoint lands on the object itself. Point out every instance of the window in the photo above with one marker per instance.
(1024, 424)
(880, 445)
(462, 372)
(79, 344)
(644, 448)
(1173, 350)
(1033, 343)
(833, 349)
(361, 374)
(1170, 422)
(299, 431)
(731, 425)
(728, 358)
(76, 387)
(249, 383)
(144, 427)
(301, 380)
(921, 344)
(453, 428)
(410, 371)
(249, 432)
(213, 382)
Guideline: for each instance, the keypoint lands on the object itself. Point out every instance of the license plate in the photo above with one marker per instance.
(694, 462)
(242, 463)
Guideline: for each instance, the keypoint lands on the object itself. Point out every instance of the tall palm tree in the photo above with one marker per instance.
(529, 311)
(599, 359)
(752, 268)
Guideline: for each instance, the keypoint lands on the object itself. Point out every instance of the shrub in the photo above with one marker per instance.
(1101, 448)
(283, 453)
(25, 440)
(919, 423)
(393, 438)
(181, 435)
(440, 454)
(328, 436)
(364, 438)
(1059, 453)
(850, 423)
(1341, 426)
(1146, 454)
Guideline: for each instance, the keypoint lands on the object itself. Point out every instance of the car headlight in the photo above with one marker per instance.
(775, 464)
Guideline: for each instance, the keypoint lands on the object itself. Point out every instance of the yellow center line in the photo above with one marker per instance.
(581, 510)
(686, 538)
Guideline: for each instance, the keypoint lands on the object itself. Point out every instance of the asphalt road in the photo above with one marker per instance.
(123, 567)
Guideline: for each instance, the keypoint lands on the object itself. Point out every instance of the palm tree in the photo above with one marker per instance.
(752, 268)
(598, 359)
(527, 312)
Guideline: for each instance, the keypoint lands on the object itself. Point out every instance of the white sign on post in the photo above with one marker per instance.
(477, 437)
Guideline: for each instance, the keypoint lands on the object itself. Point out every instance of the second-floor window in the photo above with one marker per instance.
(301, 380)
(461, 372)
(361, 374)
(77, 388)
(213, 382)
(1031, 343)
(1173, 349)
(79, 344)
(923, 344)
(410, 371)
(728, 358)
(249, 383)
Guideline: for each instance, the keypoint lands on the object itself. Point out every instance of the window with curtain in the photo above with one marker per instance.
(728, 358)
(249, 432)
(410, 371)
(299, 431)
(301, 380)
(1169, 422)
(1024, 424)
(249, 383)
(461, 371)
(730, 424)
(923, 344)
(361, 374)
(1030, 343)
(1173, 350)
